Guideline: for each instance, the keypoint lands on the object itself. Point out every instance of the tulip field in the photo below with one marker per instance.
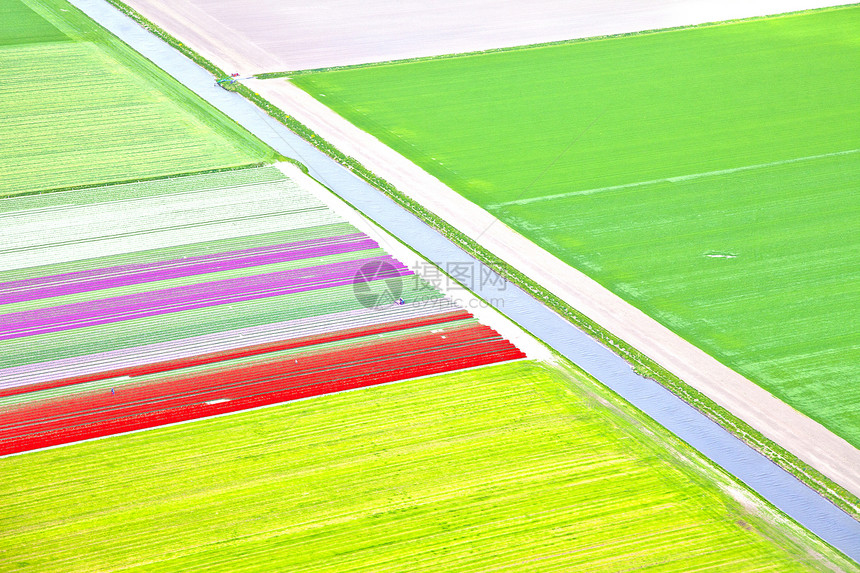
(120, 333)
(512, 466)
(208, 363)
(706, 175)
(85, 108)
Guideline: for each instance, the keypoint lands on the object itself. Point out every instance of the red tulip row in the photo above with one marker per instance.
(242, 352)
(269, 380)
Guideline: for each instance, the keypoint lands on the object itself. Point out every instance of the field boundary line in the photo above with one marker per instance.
(677, 179)
(129, 181)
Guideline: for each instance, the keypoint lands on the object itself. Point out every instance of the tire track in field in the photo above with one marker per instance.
(677, 179)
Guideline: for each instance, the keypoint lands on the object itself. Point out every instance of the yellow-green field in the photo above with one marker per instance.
(511, 467)
(80, 107)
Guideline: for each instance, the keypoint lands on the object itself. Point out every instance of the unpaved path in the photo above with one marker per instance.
(270, 36)
(804, 437)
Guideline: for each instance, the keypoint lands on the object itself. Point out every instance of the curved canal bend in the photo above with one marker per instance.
(759, 473)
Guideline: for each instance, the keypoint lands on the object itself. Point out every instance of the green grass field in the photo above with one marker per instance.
(508, 467)
(79, 107)
(707, 175)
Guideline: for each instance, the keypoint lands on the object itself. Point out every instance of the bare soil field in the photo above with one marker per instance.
(794, 431)
(270, 36)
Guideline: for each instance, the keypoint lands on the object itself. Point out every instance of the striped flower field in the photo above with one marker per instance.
(166, 301)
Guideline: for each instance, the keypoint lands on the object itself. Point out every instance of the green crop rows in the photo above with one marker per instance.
(707, 175)
(507, 466)
(79, 107)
